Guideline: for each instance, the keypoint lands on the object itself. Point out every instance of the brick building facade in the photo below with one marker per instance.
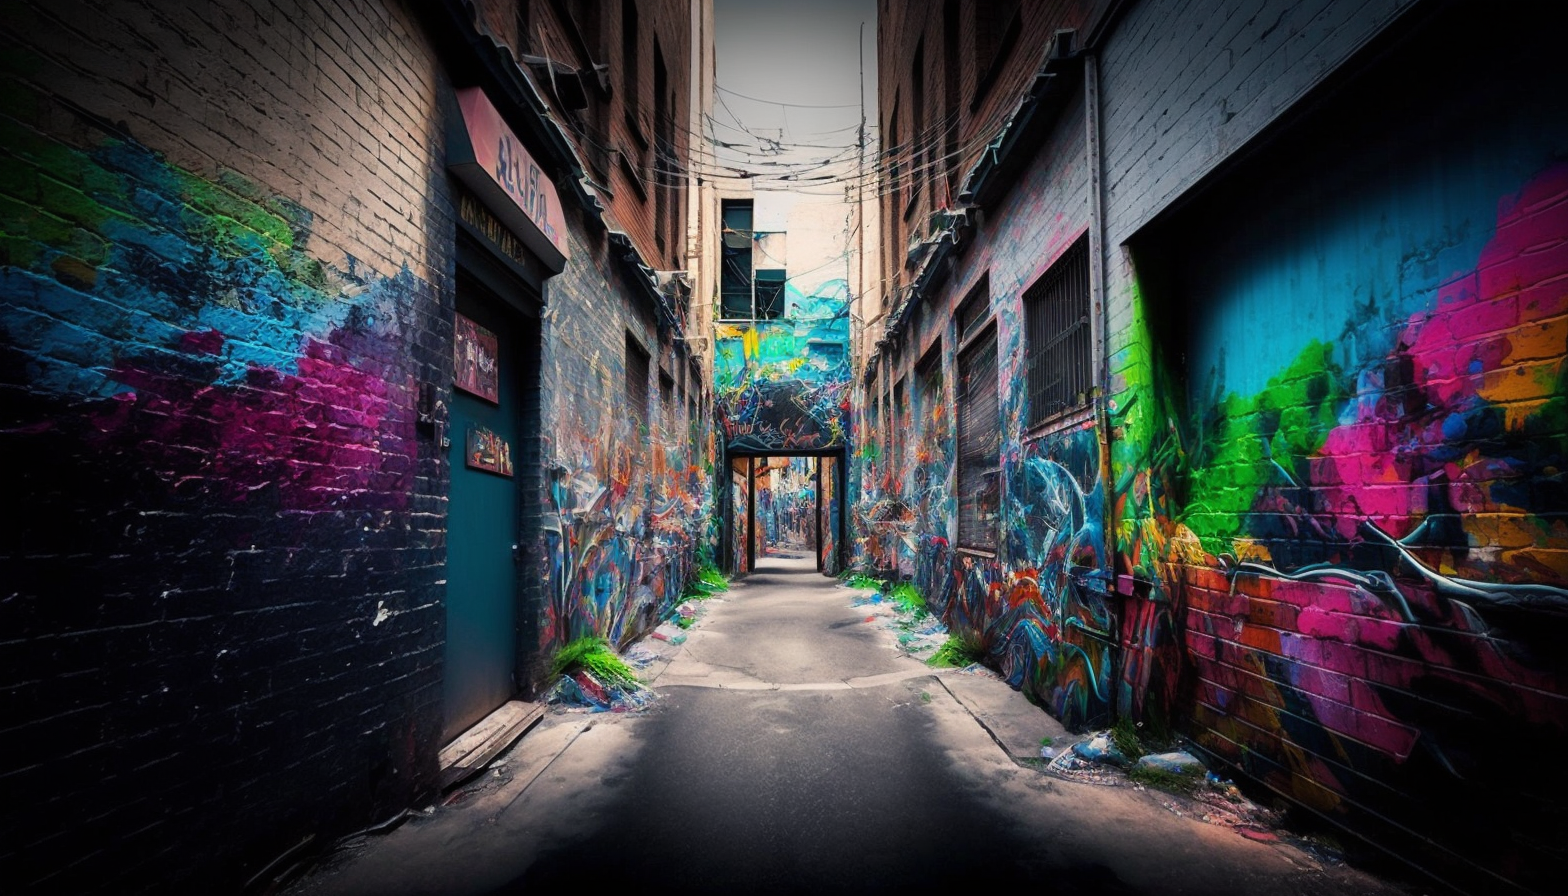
(1221, 389)
(279, 346)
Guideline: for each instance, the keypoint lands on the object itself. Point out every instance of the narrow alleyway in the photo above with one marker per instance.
(792, 750)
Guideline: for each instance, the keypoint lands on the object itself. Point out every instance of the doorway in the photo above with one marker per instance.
(495, 387)
(784, 506)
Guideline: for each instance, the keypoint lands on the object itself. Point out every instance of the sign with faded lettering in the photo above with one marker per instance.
(489, 159)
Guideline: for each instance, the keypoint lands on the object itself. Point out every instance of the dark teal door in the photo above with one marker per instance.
(482, 513)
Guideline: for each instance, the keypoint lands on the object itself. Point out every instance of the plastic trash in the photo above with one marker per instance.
(1100, 748)
(669, 631)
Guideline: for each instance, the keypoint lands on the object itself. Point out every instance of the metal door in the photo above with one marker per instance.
(483, 510)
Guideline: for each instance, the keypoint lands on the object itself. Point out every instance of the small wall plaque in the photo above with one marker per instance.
(476, 363)
(488, 451)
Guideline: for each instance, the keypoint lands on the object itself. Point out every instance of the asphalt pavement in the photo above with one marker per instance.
(794, 749)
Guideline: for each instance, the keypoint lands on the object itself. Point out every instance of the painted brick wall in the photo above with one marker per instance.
(222, 621)
(227, 265)
(626, 505)
(1333, 419)
(1354, 535)
(1030, 604)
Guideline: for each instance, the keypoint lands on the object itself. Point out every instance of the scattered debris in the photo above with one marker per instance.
(903, 612)
(669, 631)
(640, 656)
(582, 692)
(981, 671)
(1100, 748)
(1073, 767)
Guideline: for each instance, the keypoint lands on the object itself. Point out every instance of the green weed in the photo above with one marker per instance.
(956, 652)
(861, 580)
(708, 582)
(594, 654)
(1125, 737)
(909, 599)
(1160, 779)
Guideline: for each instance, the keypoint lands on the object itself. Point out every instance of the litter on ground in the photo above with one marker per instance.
(582, 692)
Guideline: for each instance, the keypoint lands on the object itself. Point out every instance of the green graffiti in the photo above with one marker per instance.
(1241, 445)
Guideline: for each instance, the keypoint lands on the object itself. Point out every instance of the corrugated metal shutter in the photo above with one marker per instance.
(979, 445)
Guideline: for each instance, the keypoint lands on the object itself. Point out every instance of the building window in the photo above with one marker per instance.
(1058, 353)
(667, 401)
(745, 293)
(979, 444)
(997, 23)
(524, 26)
(770, 293)
(735, 249)
(636, 383)
(630, 37)
(928, 374)
(899, 434)
(950, 116)
(664, 161)
(973, 309)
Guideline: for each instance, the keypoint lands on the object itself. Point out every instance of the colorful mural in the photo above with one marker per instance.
(784, 384)
(175, 325)
(1347, 576)
(628, 503)
(214, 435)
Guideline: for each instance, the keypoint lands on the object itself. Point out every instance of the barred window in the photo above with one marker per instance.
(1059, 355)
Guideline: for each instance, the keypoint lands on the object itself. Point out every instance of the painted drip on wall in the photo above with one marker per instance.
(783, 385)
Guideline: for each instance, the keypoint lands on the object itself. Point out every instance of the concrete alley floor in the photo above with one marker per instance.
(793, 750)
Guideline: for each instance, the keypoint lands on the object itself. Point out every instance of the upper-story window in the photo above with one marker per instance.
(997, 23)
(745, 292)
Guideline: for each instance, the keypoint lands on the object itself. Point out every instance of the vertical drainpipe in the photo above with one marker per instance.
(1098, 300)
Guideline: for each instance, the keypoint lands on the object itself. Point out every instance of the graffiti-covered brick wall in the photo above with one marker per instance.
(1340, 437)
(222, 604)
(1035, 597)
(628, 488)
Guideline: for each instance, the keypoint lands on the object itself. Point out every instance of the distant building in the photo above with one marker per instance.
(781, 340)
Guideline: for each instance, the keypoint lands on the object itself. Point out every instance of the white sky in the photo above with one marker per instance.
(805, 53)
(793, 51)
